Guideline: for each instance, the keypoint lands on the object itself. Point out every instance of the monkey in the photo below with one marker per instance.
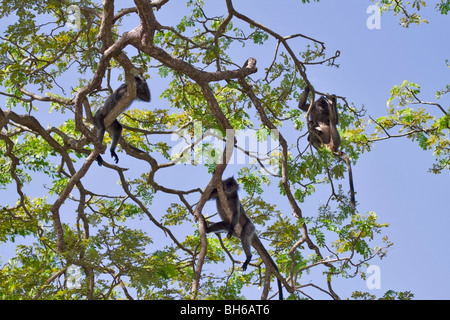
(142, 93)
(239, 225)
(324, 118)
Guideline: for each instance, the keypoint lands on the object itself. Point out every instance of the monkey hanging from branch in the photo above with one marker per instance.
(142, 93)
(239, 225)
(323, 121)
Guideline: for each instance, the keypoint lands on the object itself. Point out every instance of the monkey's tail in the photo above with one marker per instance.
(257, 244)
(280, 287)
(350, 178)
(280, 290)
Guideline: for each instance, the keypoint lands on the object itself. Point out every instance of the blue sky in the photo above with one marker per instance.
(392, 180)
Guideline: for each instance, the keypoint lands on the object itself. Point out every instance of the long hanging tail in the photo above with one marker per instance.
(350, 178)
(256, 243)
(280, 290)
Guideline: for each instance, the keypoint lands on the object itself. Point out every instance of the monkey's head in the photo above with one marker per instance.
(230, 185)
(142, 90)
(322, 104)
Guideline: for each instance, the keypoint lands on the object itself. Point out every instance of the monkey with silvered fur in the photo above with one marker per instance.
(142, 93)
(323, 119)
(239, 224)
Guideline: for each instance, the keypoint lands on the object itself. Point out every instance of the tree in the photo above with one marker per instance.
(212, 98)
(429, 127)
(406, 17)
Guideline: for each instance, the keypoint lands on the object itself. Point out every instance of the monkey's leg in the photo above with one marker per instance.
(246, 238)
(99, 160)
(116, 132)
(100, 127)
(237, 212)
(217, 227)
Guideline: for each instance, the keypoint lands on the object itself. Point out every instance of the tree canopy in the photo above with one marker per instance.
(59, 60)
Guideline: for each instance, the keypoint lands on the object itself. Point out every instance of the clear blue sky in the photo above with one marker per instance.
(392, 180)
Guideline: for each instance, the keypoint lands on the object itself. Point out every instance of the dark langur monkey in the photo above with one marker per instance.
(239, 225)
(324, 118)
(142, 93)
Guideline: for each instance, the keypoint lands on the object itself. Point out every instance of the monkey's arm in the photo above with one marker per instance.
(334, 115)
(303, 98)
(237, 210)
(335, 138)
(213, 194)
(118, 94)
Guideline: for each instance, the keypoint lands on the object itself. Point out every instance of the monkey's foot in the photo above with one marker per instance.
(114, 155)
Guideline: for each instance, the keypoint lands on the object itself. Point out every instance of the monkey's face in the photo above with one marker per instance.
(322, 104)
(142, 90)
(230, 185)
